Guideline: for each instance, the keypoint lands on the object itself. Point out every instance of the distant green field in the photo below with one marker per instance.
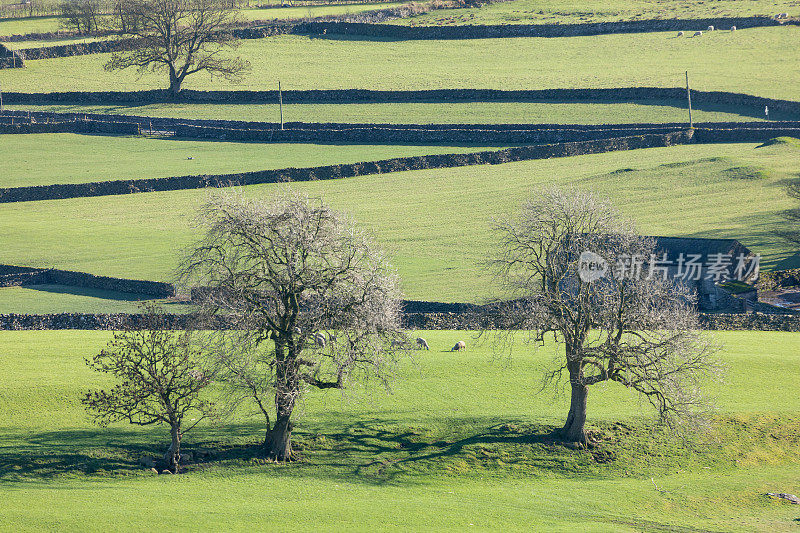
(752, 61)
(25, 25)
(434, 223)
(22, 26)
(575, 11)
(588, 112)
(302, 12)
(49, 158)
(429, 456)
(21, 45)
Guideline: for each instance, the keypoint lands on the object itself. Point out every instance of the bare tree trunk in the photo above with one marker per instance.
(278, 443)
(174, 82)
(173, 455)
(574, 428)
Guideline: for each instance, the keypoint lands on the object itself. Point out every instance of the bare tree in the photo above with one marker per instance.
(81, 15)
(583, 274)
(281, 273)
(182, 37)
(160, 379)
(123, 18)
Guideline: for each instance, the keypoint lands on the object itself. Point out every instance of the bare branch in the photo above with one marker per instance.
(634, 329)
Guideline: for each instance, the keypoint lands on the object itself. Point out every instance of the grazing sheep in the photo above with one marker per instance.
(319, 340)
(733, 28)
(697, 34)
(680, 34)
(422, 343)
(460, 345)
(710, 28)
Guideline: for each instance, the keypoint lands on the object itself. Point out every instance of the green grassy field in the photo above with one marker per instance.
(21, 45)
(21, 26)
(462, 441)
(752, 61)
(49, 158)
(303, 12)
(573, 11)
(429, 456)
(434, 223)
(588, 112)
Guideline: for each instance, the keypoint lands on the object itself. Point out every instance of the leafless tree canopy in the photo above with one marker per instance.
(629, 326)
(180, 36)
(83, 16)
(160, 379)
(284, 272)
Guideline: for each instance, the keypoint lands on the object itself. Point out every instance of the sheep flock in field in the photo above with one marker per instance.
(699, 33)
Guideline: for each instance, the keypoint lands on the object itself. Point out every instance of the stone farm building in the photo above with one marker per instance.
(706, 265)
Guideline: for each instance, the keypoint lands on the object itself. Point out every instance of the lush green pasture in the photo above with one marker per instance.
(752, 61)
(587, 112)
(580, 11)
(48, 158)
(303, 12)
(435, 223)
(21, 45)
(21, 26)
(429, 456)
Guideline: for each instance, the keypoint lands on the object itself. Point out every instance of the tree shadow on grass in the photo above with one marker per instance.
(374, 451)
(384, 452)
(100, 451)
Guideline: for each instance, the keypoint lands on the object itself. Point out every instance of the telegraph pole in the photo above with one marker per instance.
(689, 98)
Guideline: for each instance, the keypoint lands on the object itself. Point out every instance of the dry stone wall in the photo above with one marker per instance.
(11, 275)
(348, 96)
(545, 151)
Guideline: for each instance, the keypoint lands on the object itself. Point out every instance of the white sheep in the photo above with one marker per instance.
(422, 343)
(710, 28)
(680, 34)
(460, 345)
(733, 28)
(697, 34)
